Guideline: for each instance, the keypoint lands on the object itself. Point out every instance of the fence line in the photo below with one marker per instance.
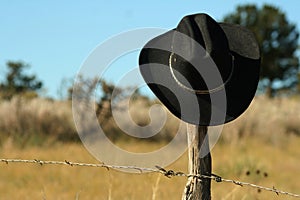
(167, 173)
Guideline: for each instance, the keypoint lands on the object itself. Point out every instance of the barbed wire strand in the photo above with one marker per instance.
(167, 173)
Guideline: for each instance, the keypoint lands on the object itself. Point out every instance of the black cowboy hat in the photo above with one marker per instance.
(204, 72)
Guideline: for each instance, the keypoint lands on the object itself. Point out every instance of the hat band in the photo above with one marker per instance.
(200, 91)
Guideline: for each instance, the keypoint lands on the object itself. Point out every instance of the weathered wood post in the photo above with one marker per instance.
(198, 189)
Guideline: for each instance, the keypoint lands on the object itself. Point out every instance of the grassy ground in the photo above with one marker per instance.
(230, 160)
(261, 147)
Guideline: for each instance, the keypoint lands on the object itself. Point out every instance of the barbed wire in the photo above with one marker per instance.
(157, 169)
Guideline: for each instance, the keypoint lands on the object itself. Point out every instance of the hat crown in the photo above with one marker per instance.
(200, 29)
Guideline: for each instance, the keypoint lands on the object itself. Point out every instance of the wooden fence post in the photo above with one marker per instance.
(197, 189)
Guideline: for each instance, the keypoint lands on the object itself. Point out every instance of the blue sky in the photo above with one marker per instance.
(55, 37)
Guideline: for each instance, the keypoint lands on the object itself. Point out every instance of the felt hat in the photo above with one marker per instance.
(206, 73)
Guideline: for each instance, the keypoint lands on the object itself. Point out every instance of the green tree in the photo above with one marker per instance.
(278, 40)
(17, 82)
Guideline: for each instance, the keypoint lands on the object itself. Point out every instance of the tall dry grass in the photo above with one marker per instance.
(37, 120)
(270, 120)
(139, 112)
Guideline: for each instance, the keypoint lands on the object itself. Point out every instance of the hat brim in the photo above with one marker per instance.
(209, 109)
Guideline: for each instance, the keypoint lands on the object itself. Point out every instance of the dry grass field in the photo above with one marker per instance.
(260, 147)
(32, 181)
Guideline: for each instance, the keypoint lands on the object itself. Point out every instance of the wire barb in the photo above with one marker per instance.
(167, 173)
(217, 178)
